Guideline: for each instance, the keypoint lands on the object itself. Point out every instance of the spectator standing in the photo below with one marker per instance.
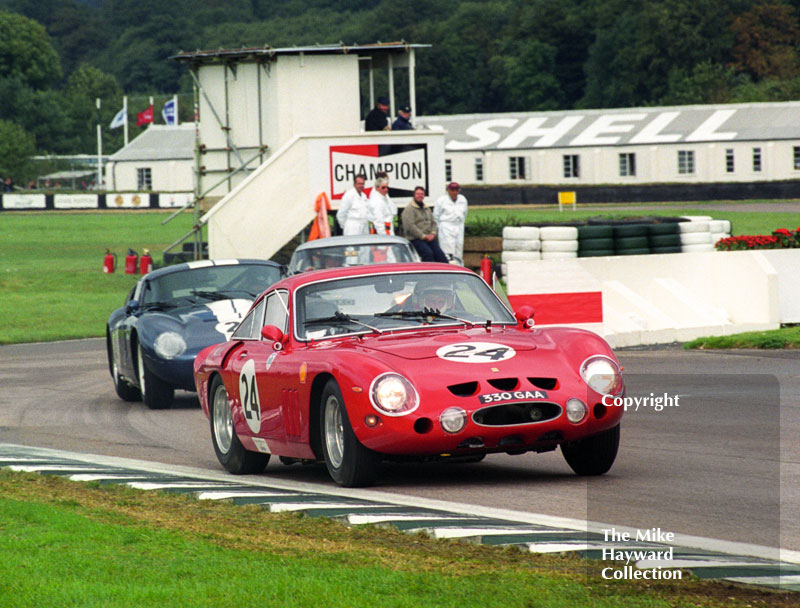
(353, 214)
(450, 213)
(382, 209)
(420, 228)
(403, 121)
(378, 117)
(8, 185)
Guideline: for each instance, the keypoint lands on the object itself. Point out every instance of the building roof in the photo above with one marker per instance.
(267, 52)
(159, 142)
(618, 126)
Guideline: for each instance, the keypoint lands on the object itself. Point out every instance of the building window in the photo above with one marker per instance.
(796, 152)
(756, 159)
(144, 179)
(571, 166)
(516, 167)
(448, 170)
(627, 164)
(729, 160)
(685, 162)
(479, 169)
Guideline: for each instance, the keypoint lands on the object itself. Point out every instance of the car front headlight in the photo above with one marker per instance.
(393, 395)
(169, 345)
(602, 374)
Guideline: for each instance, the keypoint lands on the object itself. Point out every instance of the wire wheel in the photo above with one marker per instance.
(223, 420)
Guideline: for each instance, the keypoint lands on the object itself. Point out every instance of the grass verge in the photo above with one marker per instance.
(68, 543)
(785, 337)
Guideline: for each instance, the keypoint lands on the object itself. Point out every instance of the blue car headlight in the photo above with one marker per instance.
(169, 345)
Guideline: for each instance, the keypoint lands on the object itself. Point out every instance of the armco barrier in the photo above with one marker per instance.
(49, 201)
(652, 299)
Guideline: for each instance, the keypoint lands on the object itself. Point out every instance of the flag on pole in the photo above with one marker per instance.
(144, 117)
(120, 119)
(169, 114)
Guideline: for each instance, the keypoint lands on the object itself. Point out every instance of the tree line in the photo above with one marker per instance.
(57, 56)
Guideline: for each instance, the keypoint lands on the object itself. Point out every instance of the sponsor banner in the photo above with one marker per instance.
(24, 201)
(556, 308)
(75, 201)
(406, 165)
(168, 200)
(128, 200)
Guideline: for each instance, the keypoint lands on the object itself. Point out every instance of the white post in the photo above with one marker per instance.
(412, 87)
(99, 148)
(125, 126)
(391, 88)
(177, 120)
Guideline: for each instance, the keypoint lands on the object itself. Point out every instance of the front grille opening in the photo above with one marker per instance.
(509, 414)
(551, 436)
(599, 410)
(465, 389)
(505, 384)
(510, 440)
(423, 425)
(547, 384)
(472, 442)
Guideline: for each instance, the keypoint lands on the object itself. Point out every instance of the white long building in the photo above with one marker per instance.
(625, 146)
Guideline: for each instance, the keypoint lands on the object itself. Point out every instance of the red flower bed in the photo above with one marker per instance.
(779, 239)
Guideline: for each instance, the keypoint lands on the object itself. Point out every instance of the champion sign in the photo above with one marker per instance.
(406, 165)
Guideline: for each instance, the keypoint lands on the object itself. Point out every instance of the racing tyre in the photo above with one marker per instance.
(229, 449)
(349, 463)
(593, 455)
(156, 393)
(125, 390)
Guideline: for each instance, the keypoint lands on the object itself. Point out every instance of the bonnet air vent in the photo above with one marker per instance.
(465, 389)
(504, 384)
(546, 384)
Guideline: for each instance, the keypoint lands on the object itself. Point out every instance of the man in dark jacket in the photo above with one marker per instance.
(378, 117)
(403, 122)
(420, 228)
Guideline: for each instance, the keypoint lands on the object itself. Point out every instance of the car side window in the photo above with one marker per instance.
(250, 327)
(277, 310)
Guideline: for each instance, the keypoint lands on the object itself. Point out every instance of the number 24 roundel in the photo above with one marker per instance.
(475, 352)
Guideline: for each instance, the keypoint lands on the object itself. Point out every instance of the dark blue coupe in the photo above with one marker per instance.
(170, 315)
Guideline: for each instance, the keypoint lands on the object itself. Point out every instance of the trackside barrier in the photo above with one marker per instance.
(661, 298)
(567, 198)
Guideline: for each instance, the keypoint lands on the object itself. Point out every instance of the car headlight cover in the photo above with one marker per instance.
(393, 395)
(576, 410)
(602, 374)
(170, 345)
(453, 419)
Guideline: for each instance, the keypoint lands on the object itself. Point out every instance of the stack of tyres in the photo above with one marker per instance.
(720, 229)
(559, 242)
(631, 239)
(696, 234)
(664, 238)
(520, 243)
(595, 241)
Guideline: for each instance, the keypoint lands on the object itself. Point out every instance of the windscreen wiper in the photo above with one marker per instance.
(426, 315)
(341, 318)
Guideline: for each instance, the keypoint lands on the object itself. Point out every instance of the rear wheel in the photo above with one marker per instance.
(349, 463)
(125, 390)
(156, 393)
(593, 455)
(229, 449)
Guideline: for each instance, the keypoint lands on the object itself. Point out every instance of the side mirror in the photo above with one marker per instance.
(274, 334)
(524, 316)
(131, 307)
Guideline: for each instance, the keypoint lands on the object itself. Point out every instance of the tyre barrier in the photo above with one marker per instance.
(521, 245)
(549, 246)
(642, 251)
(667, 249)
(558, 233)
(516, 256)
(630, 230)
(596, 253)
(631, 242)
(559, 255)
(594, 244)
(698, 247)
(664, 240)
(595, 232)
(695, 238)
(693, 227)
(530, 233)
(666, 228)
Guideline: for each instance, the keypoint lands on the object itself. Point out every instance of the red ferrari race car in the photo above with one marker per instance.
(358, 365)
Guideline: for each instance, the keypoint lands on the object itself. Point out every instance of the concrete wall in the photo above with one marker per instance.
(652, 299)
(166, 175)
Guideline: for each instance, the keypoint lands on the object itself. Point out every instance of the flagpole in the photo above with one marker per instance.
(99, 148)
(125, 107)
(177, 122)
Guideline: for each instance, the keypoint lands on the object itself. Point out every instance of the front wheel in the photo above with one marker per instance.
(593, 455)
(156, 393)
(229, 449)
(349, 463)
